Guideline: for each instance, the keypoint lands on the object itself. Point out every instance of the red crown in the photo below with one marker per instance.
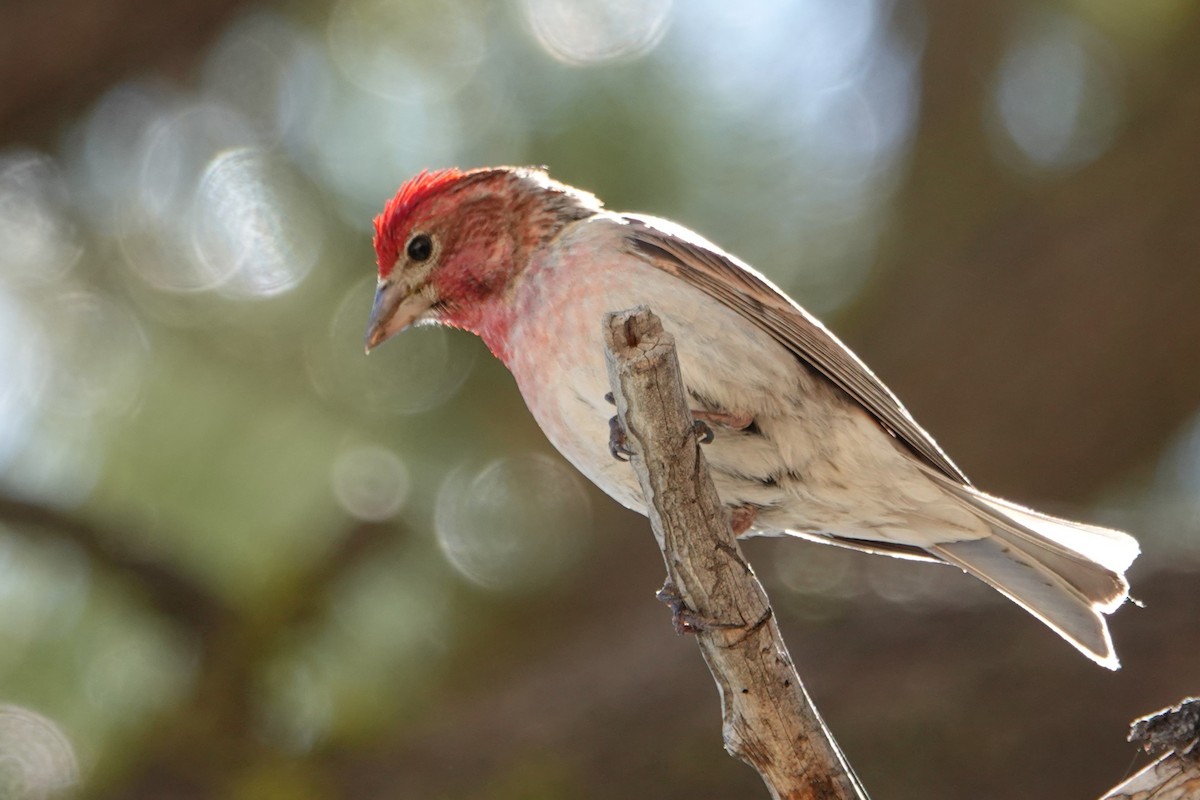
(388, 223)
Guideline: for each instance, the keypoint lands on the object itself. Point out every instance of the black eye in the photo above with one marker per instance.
(420, 247)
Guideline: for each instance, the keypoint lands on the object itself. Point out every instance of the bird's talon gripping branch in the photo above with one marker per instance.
(683, 618)
(617, 439)
(704, 432)
(608, 398)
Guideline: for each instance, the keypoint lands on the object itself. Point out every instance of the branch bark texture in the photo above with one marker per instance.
(1176, 775)
(769, 720)
(1172, 777)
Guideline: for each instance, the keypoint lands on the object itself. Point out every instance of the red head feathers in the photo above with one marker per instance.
(387, 241)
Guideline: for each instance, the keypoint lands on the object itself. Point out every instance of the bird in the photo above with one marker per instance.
(805, 440)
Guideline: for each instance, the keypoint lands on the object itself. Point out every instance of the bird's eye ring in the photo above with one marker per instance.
(420, 247)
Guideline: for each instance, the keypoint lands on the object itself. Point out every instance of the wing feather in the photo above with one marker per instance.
(740, 287)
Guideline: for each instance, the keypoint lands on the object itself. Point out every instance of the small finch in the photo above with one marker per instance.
(806, 440)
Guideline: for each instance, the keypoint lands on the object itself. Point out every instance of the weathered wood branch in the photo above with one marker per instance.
(168, 589)
(769, 720)
(1176, 775)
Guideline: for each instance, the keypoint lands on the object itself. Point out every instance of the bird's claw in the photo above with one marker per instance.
(617, 439)
(704, 431)
(683, 618)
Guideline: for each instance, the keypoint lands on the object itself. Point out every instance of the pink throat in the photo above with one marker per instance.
(488, 316)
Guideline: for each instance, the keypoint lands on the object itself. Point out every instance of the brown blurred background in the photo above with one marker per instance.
(240, 560)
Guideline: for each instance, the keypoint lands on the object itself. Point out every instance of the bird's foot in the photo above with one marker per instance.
(741, 518)
(618, 440)
(683, 618)
(736, 422)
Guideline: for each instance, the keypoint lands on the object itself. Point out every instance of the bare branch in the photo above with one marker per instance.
(769, 720)
(1175, 776)
(168, 589)
(1172, 777)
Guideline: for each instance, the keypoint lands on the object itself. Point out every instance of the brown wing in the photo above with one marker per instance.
(741, 288)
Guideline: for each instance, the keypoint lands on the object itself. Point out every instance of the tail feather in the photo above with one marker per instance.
(1067, 574)
(1038, 590)
(1113, 549)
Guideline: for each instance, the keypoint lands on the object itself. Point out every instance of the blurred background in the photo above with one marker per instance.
(238, 559)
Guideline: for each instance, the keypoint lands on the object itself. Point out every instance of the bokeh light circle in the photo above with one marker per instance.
(37, 759)
(416, 371)
(157, 231)
(597, 31)
(1057, 99)
(104, 151)
(37, 242)
(405, 52)
(25, 363)
(371, 483)
(264, 66)
(101, 352)
(178, 149)
(252, 222)
(515, 524)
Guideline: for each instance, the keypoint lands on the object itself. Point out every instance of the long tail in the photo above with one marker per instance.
(1067, 574)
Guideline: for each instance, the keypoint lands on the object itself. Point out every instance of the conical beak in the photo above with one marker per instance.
(395, 309)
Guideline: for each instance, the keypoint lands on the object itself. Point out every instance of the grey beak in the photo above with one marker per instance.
(396, 307)
(376, 334)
